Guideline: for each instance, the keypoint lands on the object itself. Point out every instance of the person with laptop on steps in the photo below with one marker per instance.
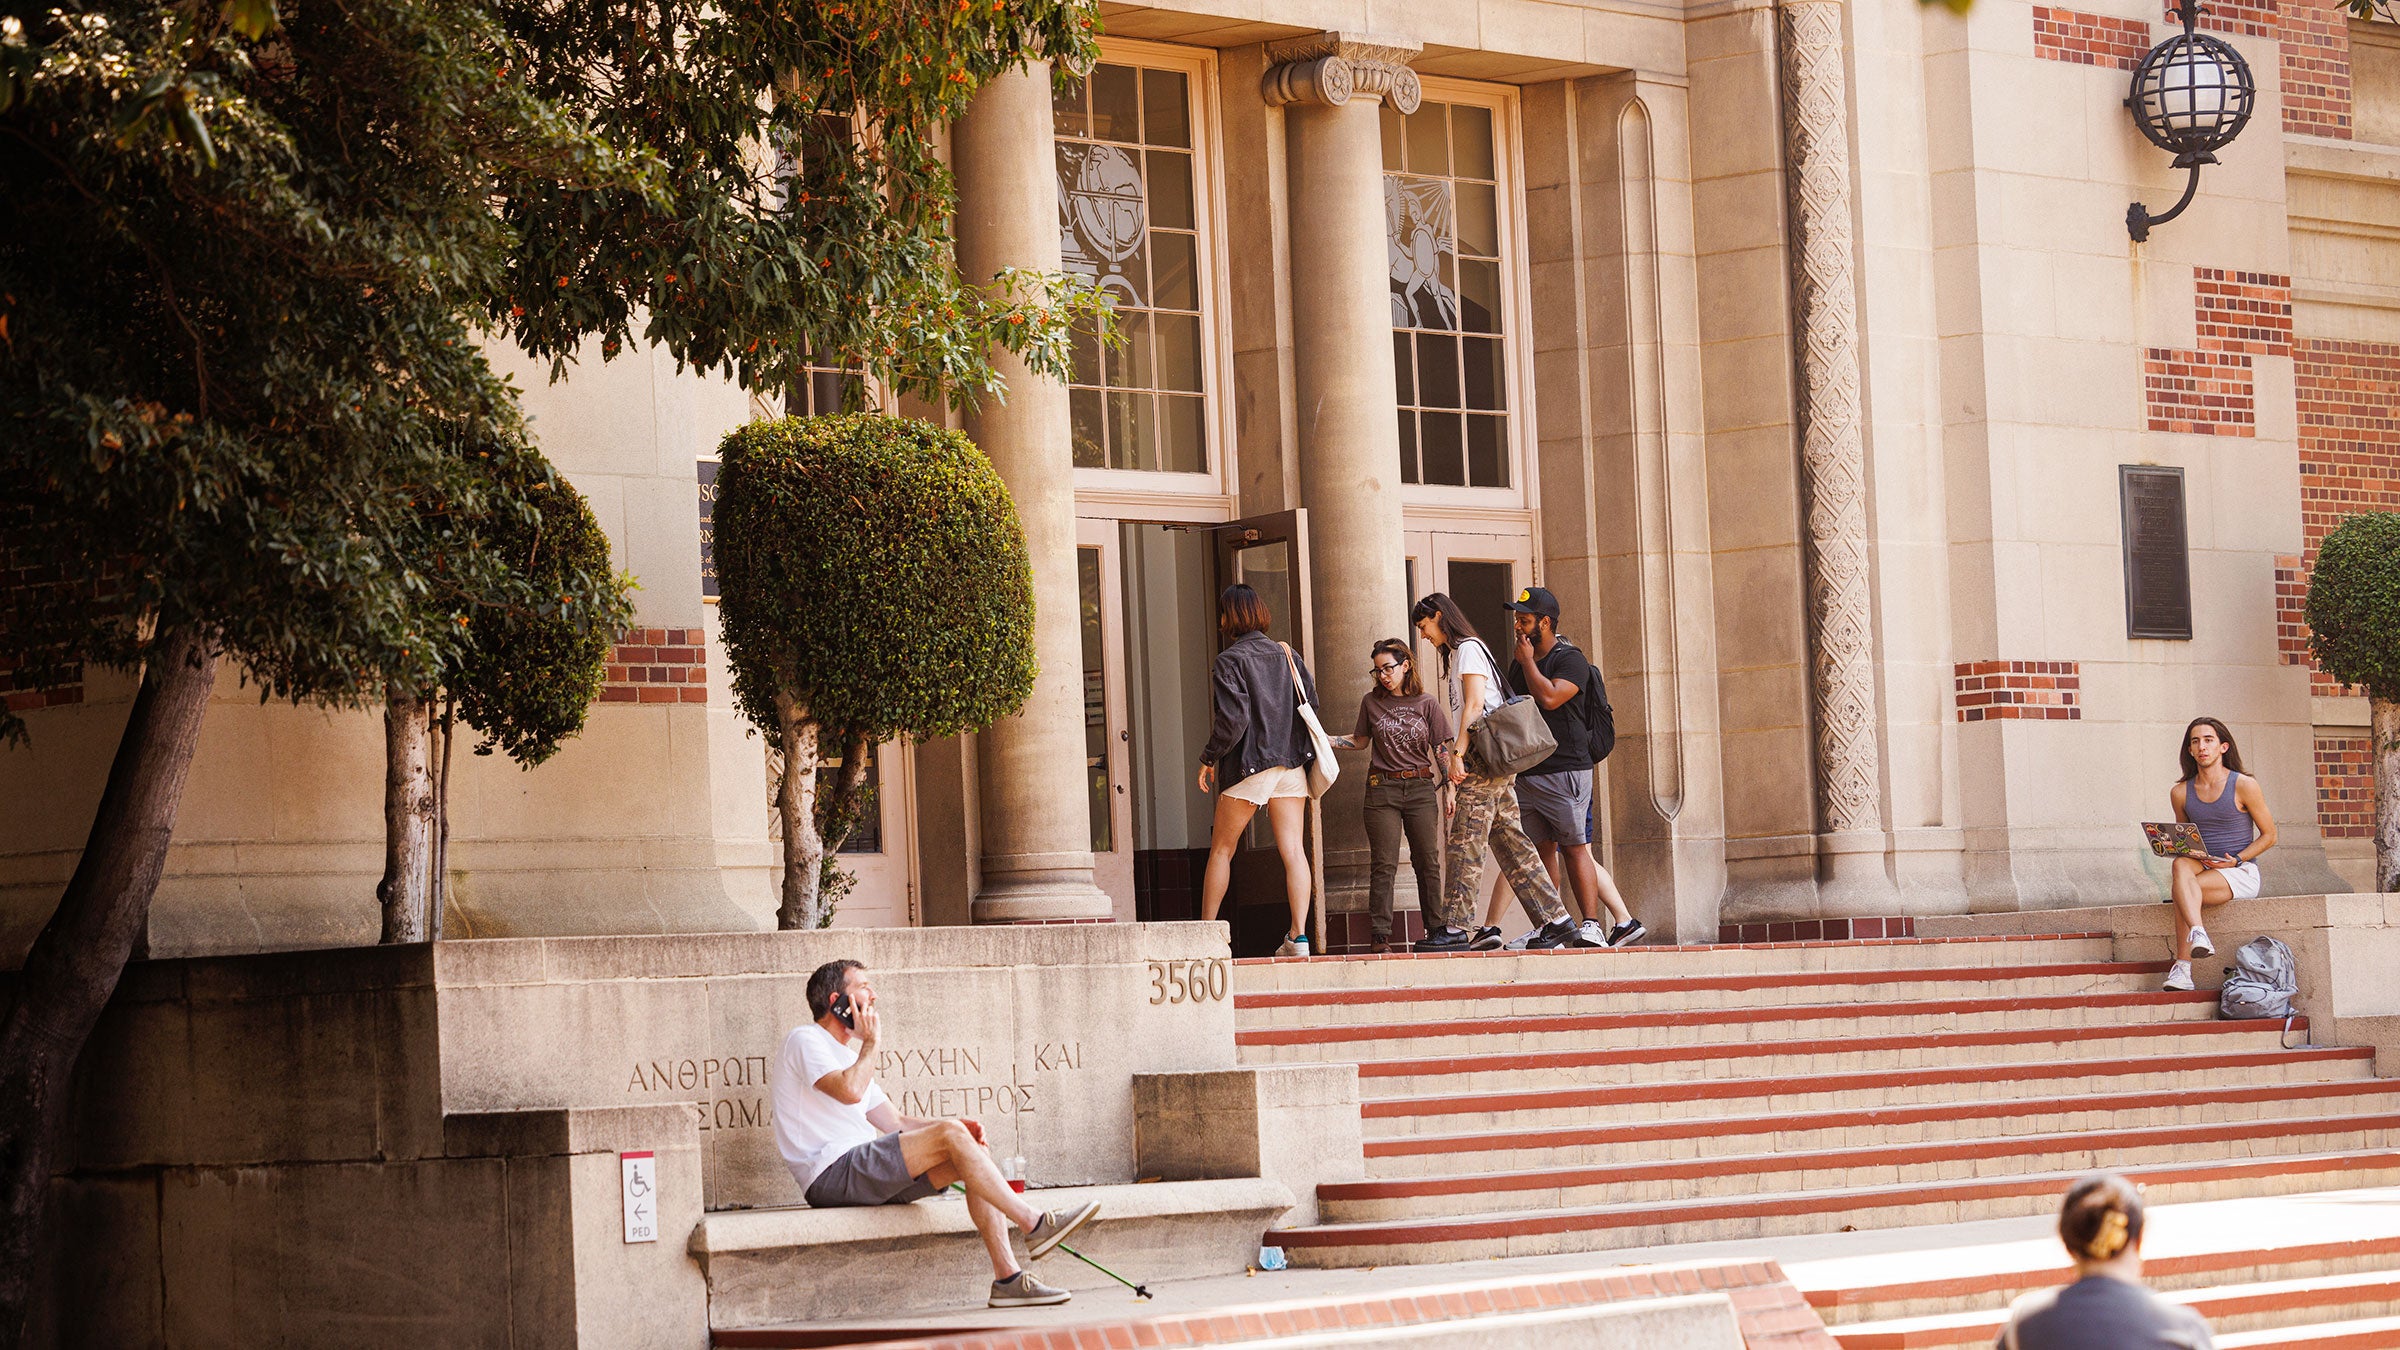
(2230, 810)
(837, 1131)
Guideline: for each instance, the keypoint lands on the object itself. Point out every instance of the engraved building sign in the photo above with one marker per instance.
(2158, 573)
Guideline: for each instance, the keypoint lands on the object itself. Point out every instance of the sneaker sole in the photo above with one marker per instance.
(1050, 1243)
(1031, 1300)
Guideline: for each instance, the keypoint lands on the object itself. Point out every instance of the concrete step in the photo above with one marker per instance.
(2373, 1333)
(2251, 1306)
(1362, 1043)
(1992, 1290)
(1611, 1141)
(1264, 974)
(1731, 1175)
(1391, 1118)
(1443, 1003)
(1962, 1054)
(1772, 1214)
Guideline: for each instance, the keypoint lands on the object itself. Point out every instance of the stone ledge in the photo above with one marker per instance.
(730, 1232)
(571, 1130)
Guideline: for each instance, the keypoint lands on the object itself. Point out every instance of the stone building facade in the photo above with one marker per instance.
(1800, 348)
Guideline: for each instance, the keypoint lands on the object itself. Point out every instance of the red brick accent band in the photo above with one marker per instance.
(38, 683)
(2201, 393)
(657, 665)
(2315, 58)
(1773, 1315)
(2242, 311)
(2349, 429)
(1817, 930)
(2089, 39)
(1992, 691)
(2345, 785)
(2291, 610)
(2245, 18)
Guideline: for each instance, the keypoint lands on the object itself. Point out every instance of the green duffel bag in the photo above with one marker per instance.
(1510, 739)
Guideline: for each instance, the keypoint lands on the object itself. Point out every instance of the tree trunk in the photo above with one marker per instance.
(406, 890)
(2383, 744)
(441, 818)
(843, 809)
(75, 962)
(803, 850)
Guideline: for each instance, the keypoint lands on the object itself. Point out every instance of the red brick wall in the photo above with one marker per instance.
(2345, 785)
(2089, 39)
(657, 665)
(27, 685)
(2248, 312)
(1993, 691)
(2291, 610)
(2246, 18)
(2210, 391)
(2315, 45)
(2349, 423)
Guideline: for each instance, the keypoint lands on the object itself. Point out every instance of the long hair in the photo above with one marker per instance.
(1410, 685)
(2191, 766)
(1240, 611)
(2101, 1218)
(1455, 627)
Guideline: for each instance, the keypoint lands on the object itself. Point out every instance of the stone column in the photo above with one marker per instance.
(1036, 825)
(1833, 457)
(1330, 87)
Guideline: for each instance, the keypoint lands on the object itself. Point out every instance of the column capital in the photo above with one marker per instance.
(1331, 68)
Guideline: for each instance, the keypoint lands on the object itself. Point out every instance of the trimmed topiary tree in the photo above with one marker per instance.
(2354, 629)
(874, 584)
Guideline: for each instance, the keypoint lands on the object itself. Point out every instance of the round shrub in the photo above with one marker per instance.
(2354, 604)
(872, 567)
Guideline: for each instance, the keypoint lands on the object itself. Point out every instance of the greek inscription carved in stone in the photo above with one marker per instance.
(713, 1085)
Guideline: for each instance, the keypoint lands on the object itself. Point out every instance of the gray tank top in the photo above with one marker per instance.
(2224, 826)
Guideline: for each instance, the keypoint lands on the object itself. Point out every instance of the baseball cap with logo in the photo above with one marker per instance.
(1536, 600)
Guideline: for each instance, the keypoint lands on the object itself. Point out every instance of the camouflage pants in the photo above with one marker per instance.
(1487, 814)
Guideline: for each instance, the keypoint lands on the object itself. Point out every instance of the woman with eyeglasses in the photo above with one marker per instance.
(1485, 809)
(1255, 736)
(1406, 735)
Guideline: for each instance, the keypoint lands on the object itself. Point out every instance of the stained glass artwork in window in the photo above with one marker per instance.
(1127, 220)
(1441, 206)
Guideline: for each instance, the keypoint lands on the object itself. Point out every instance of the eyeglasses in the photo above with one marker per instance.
(1387, 667)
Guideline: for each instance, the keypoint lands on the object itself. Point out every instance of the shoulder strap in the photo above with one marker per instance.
(1292, 664)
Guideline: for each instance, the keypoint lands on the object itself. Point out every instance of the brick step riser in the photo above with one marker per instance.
(2221, 1322)
(1702, 1031)
(1862, 1216)
(2372, 1333)
(1963, 1092)
(1496, 1003)
(1717, 1068)
(1997, 1300)
(1839, 1178)
(1861, 1135)
(1647, 962)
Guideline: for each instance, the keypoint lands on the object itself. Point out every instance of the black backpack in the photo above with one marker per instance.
(1598, 717)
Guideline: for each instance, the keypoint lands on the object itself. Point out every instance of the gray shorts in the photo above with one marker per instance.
(871, 1174)
(1557, 807)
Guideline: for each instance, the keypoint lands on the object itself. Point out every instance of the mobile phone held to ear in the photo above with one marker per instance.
(844, 1013)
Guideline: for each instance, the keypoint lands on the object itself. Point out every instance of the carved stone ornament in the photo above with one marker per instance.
(1330, 69)
(1833, 459)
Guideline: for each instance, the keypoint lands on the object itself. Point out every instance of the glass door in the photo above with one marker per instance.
(1106, 736)
(1270, 554)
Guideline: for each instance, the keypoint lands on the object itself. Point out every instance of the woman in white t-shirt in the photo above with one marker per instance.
(1485, 808)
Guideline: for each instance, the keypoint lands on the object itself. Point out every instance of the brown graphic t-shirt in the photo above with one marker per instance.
(1402, 732)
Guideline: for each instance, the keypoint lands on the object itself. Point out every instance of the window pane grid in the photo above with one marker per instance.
(1127, 219)
(1441, 211)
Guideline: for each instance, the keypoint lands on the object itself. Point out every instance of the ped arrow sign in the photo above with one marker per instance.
(641, 1195)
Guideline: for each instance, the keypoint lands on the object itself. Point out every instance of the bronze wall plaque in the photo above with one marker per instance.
(2158, 569)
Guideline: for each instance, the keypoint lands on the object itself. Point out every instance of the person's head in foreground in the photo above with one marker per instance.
(2106, 1307)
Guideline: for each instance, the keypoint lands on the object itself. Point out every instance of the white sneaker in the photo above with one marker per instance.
(2201, 946)
(1590, 933)
(2179, 978)
(1518, 943)
(1294, 946)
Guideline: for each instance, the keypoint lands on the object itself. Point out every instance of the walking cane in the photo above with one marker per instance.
(1139, 1290)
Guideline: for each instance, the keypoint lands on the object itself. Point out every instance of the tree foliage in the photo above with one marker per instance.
(873, 584)
(2354, 604)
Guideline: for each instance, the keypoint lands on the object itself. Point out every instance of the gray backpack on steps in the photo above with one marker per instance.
(2261, 982)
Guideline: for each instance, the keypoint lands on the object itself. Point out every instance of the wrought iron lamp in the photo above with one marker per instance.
(2191, 96)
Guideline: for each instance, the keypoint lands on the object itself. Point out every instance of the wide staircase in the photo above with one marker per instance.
(1529, 1103)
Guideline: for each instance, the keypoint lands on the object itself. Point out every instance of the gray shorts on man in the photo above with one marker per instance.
(1556, 807)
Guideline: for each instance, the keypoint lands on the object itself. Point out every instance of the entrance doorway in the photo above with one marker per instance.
(1482, 572)
(1150, 637)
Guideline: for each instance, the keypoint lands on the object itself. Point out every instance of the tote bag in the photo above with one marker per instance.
(1322, 770)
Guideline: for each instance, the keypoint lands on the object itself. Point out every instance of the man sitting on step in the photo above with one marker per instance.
(846, 1145)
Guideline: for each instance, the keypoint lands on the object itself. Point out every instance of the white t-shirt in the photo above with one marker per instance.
(812, 1129)
(1473, 658)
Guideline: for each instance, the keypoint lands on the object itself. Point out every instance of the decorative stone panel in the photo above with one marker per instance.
(2345, 785)
(2202, 393)
(2315, 45)
(2033, 691)
(2089, 39)
(657, 665)
(2349, 425)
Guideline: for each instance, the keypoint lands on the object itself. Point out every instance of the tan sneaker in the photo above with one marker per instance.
(1056, 1227)
(1021, 1290)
